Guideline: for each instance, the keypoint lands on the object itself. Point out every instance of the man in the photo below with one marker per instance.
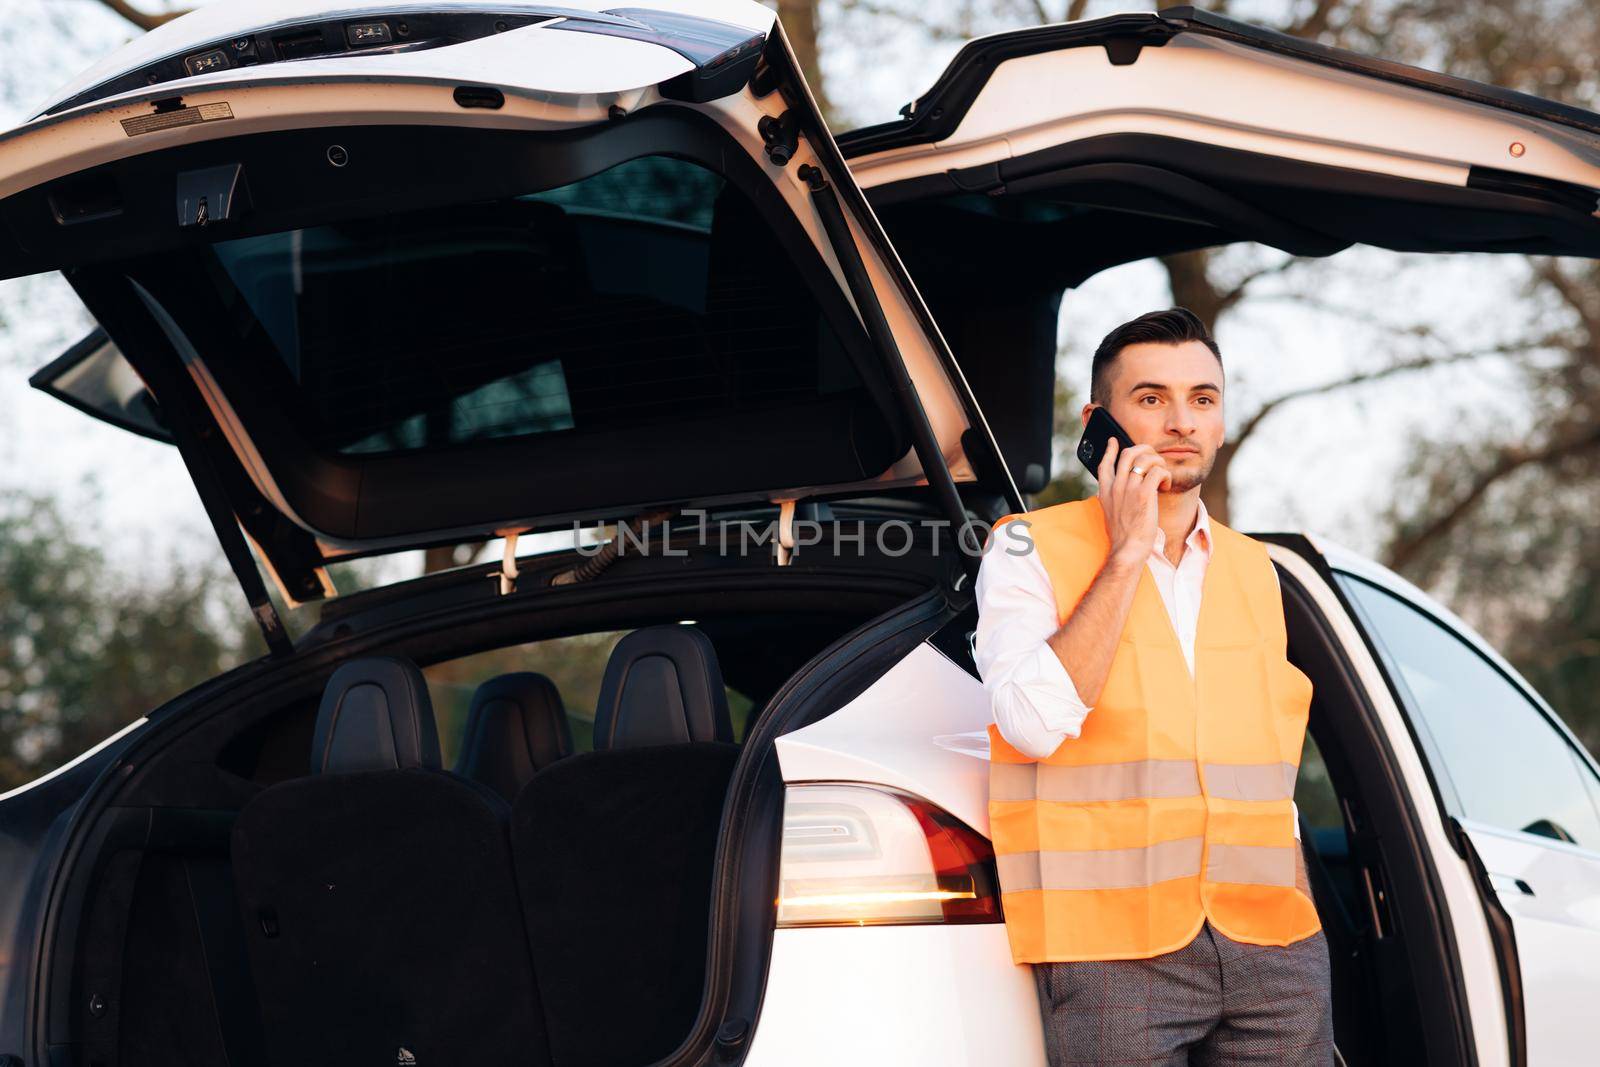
(1148, 728)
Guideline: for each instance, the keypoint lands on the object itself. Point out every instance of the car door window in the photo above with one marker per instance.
(1506, 763)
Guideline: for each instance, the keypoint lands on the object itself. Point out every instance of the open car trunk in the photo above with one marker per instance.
(581, 266)
(561, 266)
(199, 877)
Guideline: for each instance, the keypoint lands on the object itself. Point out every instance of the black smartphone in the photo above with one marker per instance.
(1096, 435)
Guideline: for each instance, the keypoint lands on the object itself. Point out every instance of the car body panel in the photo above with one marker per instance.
(940, 996)
(1549, 888)
(913, 729)
(211, 23)
(1220, 92)
(1552, 891)
(579, 77)
(1225, 75)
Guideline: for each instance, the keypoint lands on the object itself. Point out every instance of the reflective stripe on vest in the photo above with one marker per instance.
(1104, 868)
(1104, 781)
(1122, 868)
(1141, 778)
(1173, 805)
(1251, 781)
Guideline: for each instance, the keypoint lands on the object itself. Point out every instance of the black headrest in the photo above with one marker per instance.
(375, 716)
(662, 686)
(517, 726)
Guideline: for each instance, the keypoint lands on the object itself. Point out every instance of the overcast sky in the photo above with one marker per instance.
(1324, 464)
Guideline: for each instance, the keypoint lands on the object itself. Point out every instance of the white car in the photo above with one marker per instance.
(416, 274)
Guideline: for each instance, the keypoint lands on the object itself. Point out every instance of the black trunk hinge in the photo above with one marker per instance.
(1123, 49)
(196, 456)
(180, 403)
(194, 445)
(782, 136)
(872, 316)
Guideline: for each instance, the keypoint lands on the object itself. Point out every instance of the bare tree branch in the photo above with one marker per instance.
(911, 19)
(1362, 378)
(1236, 292)
(145, 20)
(1573, 293)
(1512, 459)
(1076, 10)
(1316, 22)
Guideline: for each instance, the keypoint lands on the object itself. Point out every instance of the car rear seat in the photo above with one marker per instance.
(614, 852)
(378, 897)
(517, 726)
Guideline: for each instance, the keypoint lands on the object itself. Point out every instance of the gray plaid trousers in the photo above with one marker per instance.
(1212, 1002)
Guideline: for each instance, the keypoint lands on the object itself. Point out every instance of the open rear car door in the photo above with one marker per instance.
(1043, 156)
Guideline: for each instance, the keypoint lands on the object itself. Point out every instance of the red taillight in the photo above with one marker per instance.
(857, 855)
(960, 858)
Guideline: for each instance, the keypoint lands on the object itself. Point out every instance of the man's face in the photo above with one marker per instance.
(1170, 398)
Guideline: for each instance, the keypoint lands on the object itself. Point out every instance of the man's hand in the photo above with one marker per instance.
(1087, 642)
(1128, 498)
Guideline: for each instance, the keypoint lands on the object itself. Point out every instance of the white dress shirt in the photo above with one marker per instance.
(1036, 705)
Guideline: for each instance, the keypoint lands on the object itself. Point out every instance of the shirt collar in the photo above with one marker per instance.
(1199, 537)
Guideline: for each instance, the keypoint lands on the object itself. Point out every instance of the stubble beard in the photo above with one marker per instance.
(1183, 482)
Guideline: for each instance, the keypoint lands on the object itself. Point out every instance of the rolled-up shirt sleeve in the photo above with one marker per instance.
(1035, 703)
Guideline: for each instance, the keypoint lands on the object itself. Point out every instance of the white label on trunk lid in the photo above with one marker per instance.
(183, 116)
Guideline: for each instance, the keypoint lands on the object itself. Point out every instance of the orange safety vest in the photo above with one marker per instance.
(1173, 805)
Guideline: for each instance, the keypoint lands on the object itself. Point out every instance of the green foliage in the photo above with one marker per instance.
(83, 650)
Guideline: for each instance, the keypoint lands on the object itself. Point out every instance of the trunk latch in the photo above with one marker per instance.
(508, 573)
(783, 545)
(214, 194)
(782, 136)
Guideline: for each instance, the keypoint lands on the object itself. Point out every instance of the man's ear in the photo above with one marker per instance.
(1088, 409)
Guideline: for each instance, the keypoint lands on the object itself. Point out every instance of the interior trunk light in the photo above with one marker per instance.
(856, 855)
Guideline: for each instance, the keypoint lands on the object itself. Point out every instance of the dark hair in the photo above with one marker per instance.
(1173, 326)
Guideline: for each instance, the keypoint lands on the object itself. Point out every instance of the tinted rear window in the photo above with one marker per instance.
(646, 292)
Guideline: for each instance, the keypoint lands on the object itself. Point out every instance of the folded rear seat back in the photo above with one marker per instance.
(378, 895)
(517, 726)
(615, 851)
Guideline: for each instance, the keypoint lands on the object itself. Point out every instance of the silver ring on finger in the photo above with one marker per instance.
(1138, 469)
